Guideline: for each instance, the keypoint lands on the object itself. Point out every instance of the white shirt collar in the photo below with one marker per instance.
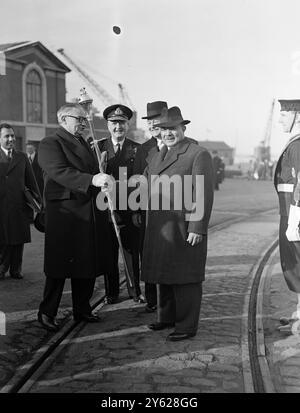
(115, 143)
(5, 151)
(159, 143)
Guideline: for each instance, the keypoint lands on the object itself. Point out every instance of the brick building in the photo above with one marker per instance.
(32, 89)
(225, 151)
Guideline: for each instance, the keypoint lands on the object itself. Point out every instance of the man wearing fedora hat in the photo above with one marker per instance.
(121, 152)
(144, 154)
(175, 245)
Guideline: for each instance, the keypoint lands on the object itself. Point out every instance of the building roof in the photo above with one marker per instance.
(9, 48)
(6, 46)
(215, 145)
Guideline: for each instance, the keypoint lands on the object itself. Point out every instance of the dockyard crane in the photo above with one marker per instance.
(263, 152)
(105, 97)
(268, 131)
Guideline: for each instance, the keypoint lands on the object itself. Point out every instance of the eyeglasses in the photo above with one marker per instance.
(80, 119)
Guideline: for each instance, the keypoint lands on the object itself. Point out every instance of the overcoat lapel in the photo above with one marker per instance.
(153, 150)
(82, 151)
(16, 158)
(167, 158)
(3, 157)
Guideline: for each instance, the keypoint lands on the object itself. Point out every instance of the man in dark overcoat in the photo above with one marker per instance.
(144, 154)
(15, 175)
(121, 152)
(175, 245)
(37, 170)
(285, 181)
(218, 168)
(76, 242)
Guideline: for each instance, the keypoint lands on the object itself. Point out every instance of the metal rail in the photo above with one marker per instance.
(260, 385)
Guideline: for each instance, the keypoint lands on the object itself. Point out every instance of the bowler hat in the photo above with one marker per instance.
(172, 117)
(39, 221)
(154, 109)
(290, 105)
(117, 112)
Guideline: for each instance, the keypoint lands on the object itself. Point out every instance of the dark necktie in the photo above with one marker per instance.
(80, 140)
(9, 154)
(163, 152)
(117, 154)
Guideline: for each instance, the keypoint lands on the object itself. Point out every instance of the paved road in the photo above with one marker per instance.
(121, 354)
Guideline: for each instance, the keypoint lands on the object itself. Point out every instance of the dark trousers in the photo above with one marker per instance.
(82, 291)
(151, 294)
(150, 289)
(11, 257)
(180, 304)
(131, 252)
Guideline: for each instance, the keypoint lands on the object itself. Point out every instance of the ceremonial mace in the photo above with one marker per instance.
(86, 102)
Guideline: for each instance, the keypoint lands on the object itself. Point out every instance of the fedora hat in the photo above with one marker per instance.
(117, 112)
(172, 117)
(154, 109)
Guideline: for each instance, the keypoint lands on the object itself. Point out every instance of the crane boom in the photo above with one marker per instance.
(268, 131)
(106, 98)
(124, 96)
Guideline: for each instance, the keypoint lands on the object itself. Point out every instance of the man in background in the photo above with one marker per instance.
(144, 154)
(217, 164)
(15, 176)
(37, 170)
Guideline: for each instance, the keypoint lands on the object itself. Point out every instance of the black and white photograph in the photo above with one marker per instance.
(149, 200)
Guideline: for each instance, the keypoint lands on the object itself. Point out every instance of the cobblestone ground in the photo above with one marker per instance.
(121, 354)
(283, 349)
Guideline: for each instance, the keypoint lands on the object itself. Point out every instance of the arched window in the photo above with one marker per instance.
(34, 97)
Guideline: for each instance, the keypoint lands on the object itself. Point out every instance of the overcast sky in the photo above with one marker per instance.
(221, 61)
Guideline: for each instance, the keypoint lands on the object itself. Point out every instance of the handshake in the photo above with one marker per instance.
(101, 180)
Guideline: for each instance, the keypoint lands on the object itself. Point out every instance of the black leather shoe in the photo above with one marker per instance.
(160, 326)
(111, 300)
(88, 318)
(150, 308)
(17, 276)
(180, 336)
(47, 322)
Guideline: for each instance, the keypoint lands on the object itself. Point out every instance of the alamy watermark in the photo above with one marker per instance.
(2, 324)
(160, 193)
